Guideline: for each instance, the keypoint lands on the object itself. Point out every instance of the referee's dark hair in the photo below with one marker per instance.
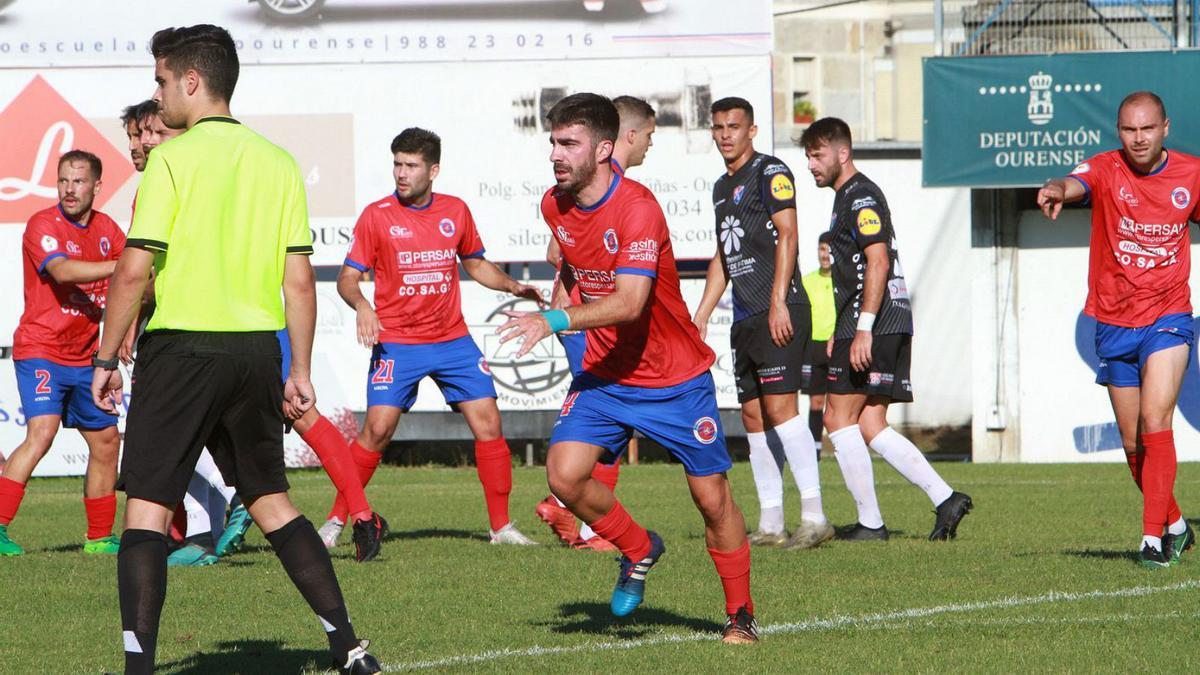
(207, 49)
(593, 111)
(827, 130)
(1139, 96)
(733, 103)
(92, 161)
(138, 111)
(418, 141)
(825, 237)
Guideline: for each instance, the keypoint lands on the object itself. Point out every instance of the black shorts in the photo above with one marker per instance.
(888, 375)
(191, 390)
(759, 366)
(814, 376)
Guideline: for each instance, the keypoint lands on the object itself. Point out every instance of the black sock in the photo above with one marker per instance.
(816, 424)
(142, 587)
(307, 562)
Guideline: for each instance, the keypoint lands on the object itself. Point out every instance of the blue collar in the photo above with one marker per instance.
(612, 187)
(396, 194)
(68, 218)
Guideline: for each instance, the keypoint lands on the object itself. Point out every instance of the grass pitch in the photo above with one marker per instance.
(1041, 578)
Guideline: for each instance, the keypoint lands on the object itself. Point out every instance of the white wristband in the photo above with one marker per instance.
(866, 321)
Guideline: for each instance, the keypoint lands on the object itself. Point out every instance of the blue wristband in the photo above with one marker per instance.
(558, 320)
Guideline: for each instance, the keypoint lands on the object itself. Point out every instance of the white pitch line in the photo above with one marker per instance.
(795, 627)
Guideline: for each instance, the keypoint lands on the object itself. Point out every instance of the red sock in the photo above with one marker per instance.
(367, 462)
(1135, 462)
(101, 513)
(331, 448)
(607, 473)
(179, 523)
(1158, 480)
(493, 462)
(11, 494)
(734, 569)
(618, 527)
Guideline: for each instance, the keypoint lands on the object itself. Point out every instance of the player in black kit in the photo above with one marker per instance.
(871, 344)
(755, 205)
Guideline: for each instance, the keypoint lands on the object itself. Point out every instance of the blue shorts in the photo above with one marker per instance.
(48, 388)
(682, 418)
(1123, 351)
(574, 344)
(285, 351)
(457, 366)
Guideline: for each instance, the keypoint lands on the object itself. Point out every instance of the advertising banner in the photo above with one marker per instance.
(58, 33)
(993, 121)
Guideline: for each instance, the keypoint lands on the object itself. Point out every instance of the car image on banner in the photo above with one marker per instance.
(298, 10)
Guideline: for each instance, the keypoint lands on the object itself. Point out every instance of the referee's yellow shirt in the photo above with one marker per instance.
(820, 294)
(221, 207)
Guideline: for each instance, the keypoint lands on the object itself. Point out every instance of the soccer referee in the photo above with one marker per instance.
(222, 219)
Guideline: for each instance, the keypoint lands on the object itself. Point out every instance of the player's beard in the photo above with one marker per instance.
(578, 177)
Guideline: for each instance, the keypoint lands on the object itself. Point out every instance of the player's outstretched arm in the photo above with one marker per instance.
(485, 272)
(1056, 192)
(67, 271)
(368, 323)
(714, 286)
(300, 312)
(623, 305)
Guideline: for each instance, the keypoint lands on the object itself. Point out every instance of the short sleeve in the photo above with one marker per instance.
(778, 187)
(41, 243)
(870, 220)
(1091, 175)
(157, 206)
(361, 255)
(470, 245)
(641, 239)
(295, 218)
(118, 243)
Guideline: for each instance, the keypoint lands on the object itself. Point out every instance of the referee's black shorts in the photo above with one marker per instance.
(191, 390)
(888, 374)
(760, 366)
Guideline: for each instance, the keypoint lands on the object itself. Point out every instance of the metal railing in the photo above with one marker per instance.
(1041, 26)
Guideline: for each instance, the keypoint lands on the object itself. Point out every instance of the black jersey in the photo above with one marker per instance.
(860, 218)
(746, 237)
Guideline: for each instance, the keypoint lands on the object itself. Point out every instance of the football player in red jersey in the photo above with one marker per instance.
(69, 252)
(1142, 198)
(414, 239)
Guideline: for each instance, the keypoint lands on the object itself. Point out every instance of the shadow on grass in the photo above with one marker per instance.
(64, 548)
(1105, 554)
(434, 533)
(245, 656)
(597, 618)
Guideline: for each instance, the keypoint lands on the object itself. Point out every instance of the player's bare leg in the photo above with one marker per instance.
(569, 473)
(850, 449)
(725, 536)
(493, 462)
(816, 422)
(99, 489)
(39, 435)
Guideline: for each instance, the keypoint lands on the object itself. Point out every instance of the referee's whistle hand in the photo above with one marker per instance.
(298, 398)
(107, 388)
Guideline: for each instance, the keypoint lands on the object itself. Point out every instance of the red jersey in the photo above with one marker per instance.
(61, 322)
(414, 252)
(1140, 245)
(626, 233)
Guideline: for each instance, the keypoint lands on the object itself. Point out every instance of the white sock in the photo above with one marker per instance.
(855, 462)
(206, 467)
(908, 460)
(797, 442)
(586, 532)
(1178, 527)
(196, 504)
(1154, 542)
(768, 479)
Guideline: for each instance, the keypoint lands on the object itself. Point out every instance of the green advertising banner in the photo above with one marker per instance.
(1014, 121)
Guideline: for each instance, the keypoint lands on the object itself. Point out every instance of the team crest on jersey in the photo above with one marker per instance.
(105, 246)
(484, 367)
(705, 430)
(1180, 197)
(737, 194)
(782, 188)
(446, 227)
(73, 248)
(868, 222)
(565, 237)
(610, 241)
(49, 243)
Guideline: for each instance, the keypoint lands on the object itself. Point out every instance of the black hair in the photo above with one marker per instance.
(593, 111)
(733, 103)
(417, 141)
(207, 49)
(827, 130)
(83, 156)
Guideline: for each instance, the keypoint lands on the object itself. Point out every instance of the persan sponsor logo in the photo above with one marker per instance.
(38, 126)
(415, 257)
